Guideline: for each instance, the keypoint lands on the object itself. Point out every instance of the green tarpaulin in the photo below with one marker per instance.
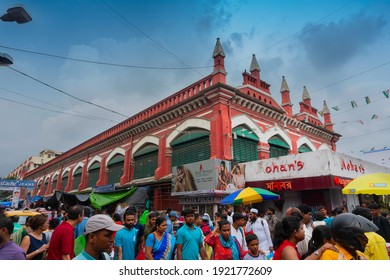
(98, 200)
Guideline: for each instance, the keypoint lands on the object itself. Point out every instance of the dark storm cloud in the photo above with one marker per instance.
(329, 46)
(217, 14)
(235, 41)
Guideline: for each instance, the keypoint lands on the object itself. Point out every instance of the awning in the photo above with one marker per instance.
(98, 200)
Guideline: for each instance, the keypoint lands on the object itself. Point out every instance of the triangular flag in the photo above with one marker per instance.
(374, 117)
(353, 103)
(336, 108)
(368, 101)
(321, 114)
(361, 122)
(386, 93)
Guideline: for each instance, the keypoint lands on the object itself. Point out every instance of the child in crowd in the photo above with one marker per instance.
(253, 245)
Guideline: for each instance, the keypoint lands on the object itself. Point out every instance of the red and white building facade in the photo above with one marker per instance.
(208, 119)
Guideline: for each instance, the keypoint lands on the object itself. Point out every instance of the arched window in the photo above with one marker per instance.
(278, 147)
(115, 169)
(191, 146)
(77, 178)
(304, 149)
(54, 183)
(64, 181)
(93, 174)
(145, 161)
(244, 144)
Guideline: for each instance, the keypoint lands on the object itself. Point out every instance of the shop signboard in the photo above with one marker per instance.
(311, 164)
(11, 184)
(104, 189)
(203, 176)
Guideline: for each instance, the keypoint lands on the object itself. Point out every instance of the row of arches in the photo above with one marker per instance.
(188, 142)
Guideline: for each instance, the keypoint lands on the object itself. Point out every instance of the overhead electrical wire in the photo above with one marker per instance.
(54, 105)
(103, 63)
(150, 39)
(68, 94)
(50, 110)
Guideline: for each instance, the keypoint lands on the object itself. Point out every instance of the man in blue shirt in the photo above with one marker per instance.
(171, 218)
(99, 238)
(126, 239)
(189, 239)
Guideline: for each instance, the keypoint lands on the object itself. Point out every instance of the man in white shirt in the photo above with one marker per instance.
(259, 226)
(237, 230)
(303, 246)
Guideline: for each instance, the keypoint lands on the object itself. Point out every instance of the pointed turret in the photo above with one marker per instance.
(219, 72)
(254, 64)
(305, 94)
(218, 50)
(327, 120)
(255, 71)
(286, 101)
(306, 97)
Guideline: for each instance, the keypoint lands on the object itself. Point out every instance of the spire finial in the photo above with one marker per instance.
(254, 64)
(325, 109)
(218, 50)
(284, 86)
(305, 94)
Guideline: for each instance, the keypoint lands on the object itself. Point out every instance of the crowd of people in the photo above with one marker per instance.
(255, 234)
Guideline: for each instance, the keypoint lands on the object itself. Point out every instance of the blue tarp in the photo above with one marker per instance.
(6, 203)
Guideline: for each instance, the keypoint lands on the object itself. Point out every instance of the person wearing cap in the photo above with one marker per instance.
(259, 226)
(172, 218)
(98, 233)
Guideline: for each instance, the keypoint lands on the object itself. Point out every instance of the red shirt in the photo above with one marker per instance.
(61, 242)
(278, 252)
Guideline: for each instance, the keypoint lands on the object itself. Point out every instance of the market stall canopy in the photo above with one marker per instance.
(376, 183)
(249, 196)
(98, 200)
(67, 199)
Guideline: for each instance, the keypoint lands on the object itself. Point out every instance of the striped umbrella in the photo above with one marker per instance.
(249, 196)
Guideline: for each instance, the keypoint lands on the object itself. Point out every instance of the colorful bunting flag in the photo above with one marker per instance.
(353, 103)
(386, 93)
(368, 101)
(321, 114)
(361, 122)
(336, 108)
(374, 117)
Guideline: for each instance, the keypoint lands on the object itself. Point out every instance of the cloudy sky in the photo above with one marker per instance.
(142, 51)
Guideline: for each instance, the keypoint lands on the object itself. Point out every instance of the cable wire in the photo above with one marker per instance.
(103, 63)
(68, 94)
(50, 110)
(51, 104)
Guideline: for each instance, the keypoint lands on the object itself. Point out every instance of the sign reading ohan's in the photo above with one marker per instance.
(311, 164)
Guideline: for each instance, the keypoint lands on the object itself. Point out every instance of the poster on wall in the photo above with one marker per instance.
(209, 175)
(15, 198)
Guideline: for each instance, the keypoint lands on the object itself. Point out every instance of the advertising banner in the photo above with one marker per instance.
(311, 164)
(15, 198)
(214, 175)
(9, 184)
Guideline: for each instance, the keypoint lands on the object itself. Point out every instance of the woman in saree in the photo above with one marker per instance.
(225, 246)
(160, 244)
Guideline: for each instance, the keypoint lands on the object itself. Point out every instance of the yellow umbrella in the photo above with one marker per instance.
(376, 183)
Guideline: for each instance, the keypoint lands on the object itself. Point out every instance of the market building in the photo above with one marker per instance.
(208, 120)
